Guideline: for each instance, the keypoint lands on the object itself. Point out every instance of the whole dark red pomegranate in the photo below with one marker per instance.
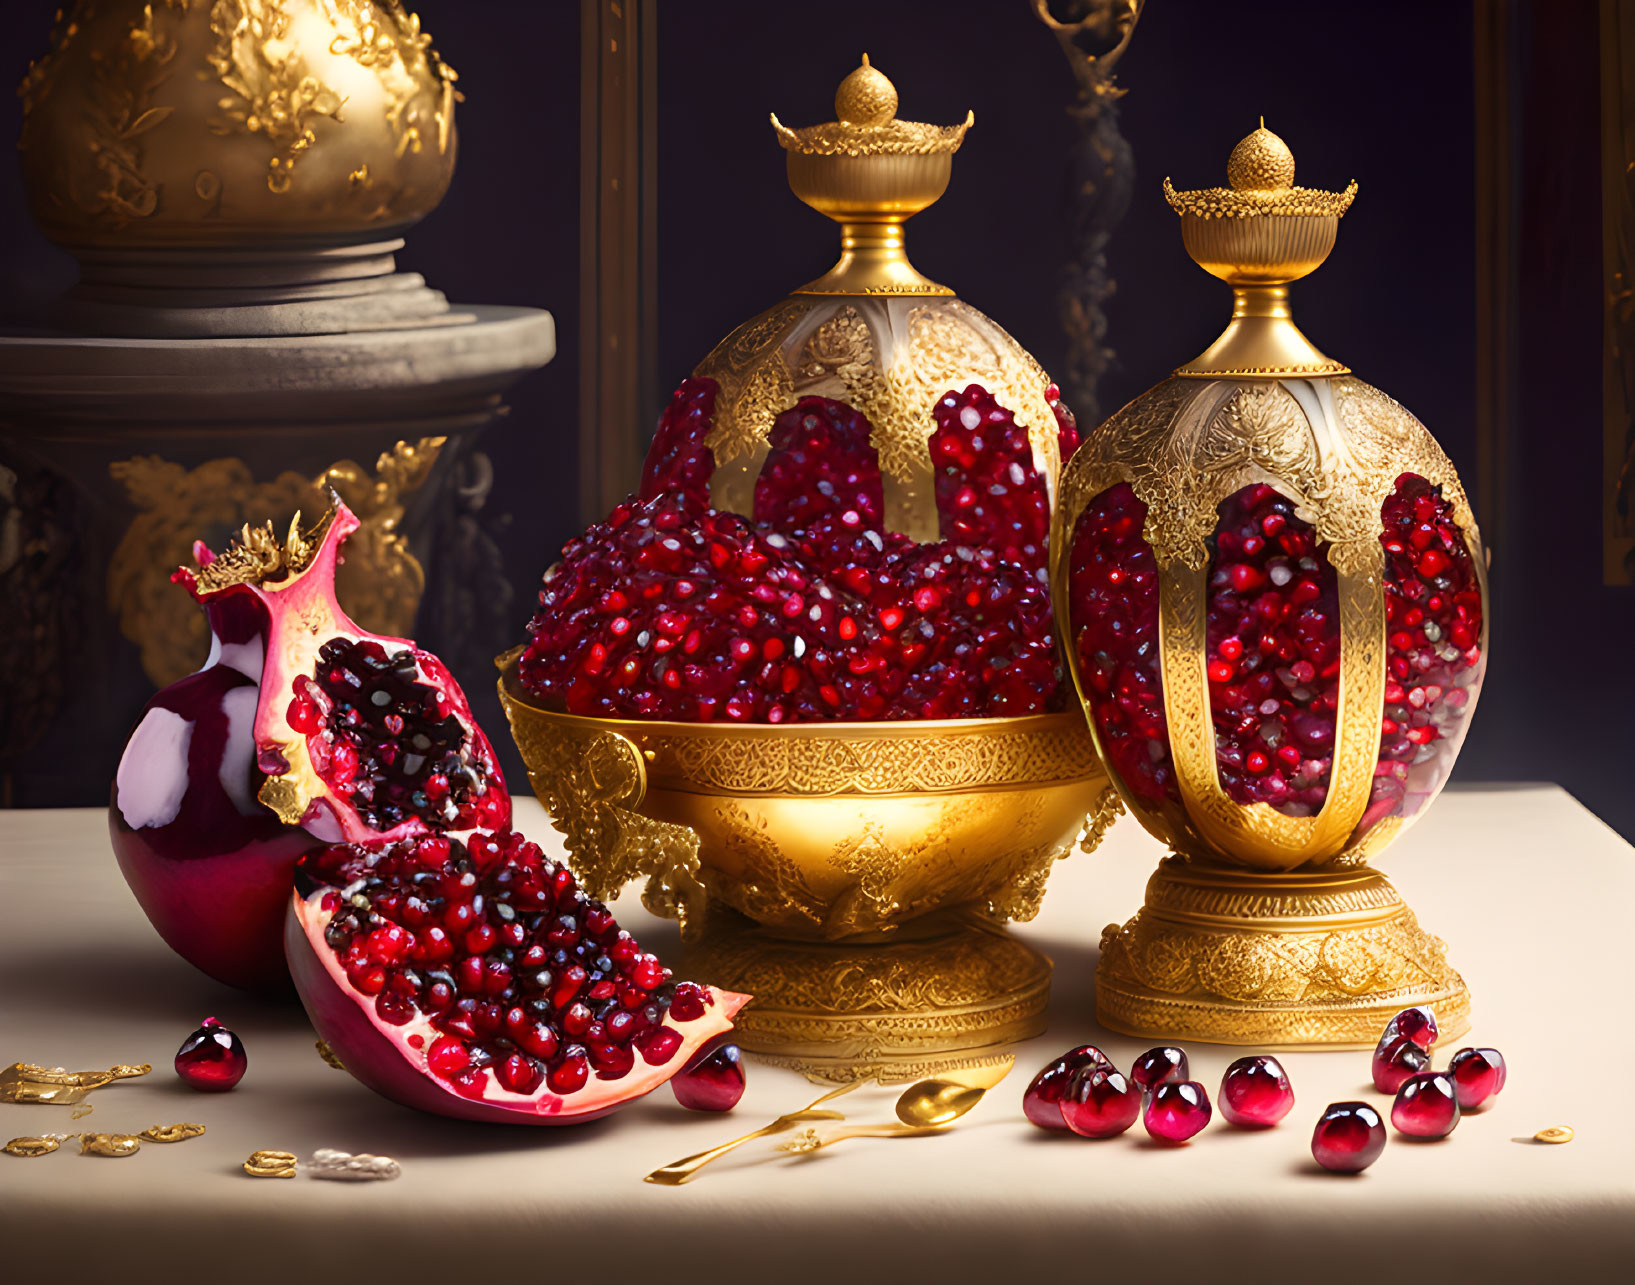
(300, 729)
(475, 979)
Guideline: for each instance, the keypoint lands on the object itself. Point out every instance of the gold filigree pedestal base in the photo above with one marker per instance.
(1307, 959)
(950, 991)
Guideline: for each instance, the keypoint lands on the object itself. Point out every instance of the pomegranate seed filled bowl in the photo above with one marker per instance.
(1274, 601)
(806, 681)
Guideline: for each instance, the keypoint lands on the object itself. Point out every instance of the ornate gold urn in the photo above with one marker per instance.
(853, 876)
(229, 122)
(239, 167)
(1275, 598)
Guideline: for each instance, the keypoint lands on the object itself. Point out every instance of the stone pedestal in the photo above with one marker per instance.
(120, 446)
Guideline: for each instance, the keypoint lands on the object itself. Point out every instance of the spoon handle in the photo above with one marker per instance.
(802, 1146)
(673, 1175)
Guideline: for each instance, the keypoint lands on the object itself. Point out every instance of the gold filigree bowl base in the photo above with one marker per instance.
(1306, 959)
(949, 991)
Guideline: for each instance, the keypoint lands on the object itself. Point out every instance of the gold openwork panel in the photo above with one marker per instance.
(889, 358)
(1335, 448)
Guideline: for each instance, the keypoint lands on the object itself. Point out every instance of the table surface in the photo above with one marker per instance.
(1531, 891)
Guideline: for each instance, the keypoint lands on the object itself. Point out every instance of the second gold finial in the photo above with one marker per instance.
(866, 97)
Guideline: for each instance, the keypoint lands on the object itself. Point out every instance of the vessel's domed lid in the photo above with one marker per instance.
(1259, 234)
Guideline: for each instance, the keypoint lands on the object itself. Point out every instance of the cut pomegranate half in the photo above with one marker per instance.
(360, 737)
(475, 979)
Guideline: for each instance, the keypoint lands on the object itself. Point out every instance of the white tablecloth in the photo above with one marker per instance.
(1532, 893)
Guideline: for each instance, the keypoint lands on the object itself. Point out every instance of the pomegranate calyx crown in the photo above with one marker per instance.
(258, 554)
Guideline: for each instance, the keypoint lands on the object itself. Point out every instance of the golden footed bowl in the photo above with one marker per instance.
(818, 831)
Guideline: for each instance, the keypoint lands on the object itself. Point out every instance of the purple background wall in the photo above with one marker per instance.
(1354, 96)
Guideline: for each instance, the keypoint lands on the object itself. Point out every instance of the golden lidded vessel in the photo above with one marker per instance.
(853, 876)
(165, 123)
(1275, 602)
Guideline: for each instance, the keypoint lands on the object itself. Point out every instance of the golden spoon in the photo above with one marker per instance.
(924, 1107)
(673, 1175)
(809, 1140)
(932, 1103)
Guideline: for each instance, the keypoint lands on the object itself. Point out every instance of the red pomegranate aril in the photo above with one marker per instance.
(1478, 1076)
(1113, 618)
(1273, 641)
(212, 1059)
(519, 1073)
(688, 1002)
(713, 1080)
(811, 611)
(1176, 1111)
(1348, 1138)
(1255, 1092)
(612, 1061)
(1417, 1024)
(1426, 1106)
(1099, 1103)
(1393, 1065)
(448, 1056)
(1042, 1099)
(569, 1075)
(1162, 1065)
(658, 1045)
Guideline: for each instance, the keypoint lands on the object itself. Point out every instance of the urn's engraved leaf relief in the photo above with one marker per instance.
(126, 73)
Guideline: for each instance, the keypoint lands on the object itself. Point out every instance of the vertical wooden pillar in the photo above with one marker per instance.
(618, 282)
(1496, 342)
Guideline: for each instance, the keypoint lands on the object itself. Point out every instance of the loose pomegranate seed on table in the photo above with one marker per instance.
(1099, 1103)
(1255, 1092)
(1478, 1076)
(1177, 1111)
(713, 1080)
(1042, 1099)
(1348, 1138)
(1162, 1065)
(212, 1059)
(1396, 1063)
(1426, 1106)
(1417, 1024)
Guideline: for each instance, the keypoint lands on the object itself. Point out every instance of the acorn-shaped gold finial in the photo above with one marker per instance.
(866, 97)
(1261, 162)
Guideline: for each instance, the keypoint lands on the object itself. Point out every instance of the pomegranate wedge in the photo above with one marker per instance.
(475, 979)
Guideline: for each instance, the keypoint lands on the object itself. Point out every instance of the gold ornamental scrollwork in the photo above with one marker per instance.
(119, 109)
(380, 583)
(591, 787)
(1204, 961)
(183, 121)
